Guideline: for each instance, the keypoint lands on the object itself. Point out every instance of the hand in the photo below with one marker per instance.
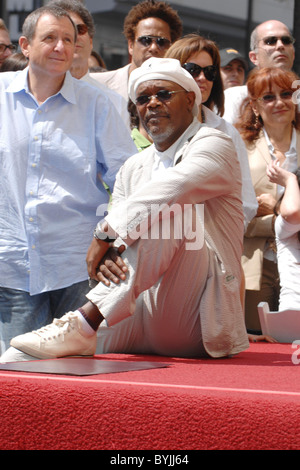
(266, 204)
(278, 175)
(112, 267)
(96, 252)
(257, 338)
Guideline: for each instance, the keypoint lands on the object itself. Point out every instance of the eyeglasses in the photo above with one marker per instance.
(11, 47)
(82, 29)
(147, 41)
(272, 40)
(161, 95)
(210, 72)
(271, 97)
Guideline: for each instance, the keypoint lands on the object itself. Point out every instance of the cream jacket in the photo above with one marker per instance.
(208, 172)
(260, 228)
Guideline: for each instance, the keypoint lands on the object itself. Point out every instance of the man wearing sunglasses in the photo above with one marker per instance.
(84, 22)
(57, 144)
(177, 211)
(271, 45)
(6, 47)
(150, 27)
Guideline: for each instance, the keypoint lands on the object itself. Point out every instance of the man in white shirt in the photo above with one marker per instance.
(57, 143)
(177, 211)
(271, 45)
(83, 48)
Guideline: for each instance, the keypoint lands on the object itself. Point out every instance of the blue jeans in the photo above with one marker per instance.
(21, 312)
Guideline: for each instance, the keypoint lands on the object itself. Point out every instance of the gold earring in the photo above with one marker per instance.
(257, 123)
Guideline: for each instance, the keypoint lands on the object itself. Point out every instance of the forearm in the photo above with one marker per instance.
(290, 204)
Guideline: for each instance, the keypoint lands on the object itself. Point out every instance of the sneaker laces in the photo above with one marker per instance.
(58, 327)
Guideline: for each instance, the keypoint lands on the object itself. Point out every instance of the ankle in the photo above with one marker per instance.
(91, 315)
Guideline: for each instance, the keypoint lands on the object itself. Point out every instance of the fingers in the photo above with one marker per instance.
(273, 170)
(258, 338)
(112, 268)
(121, 249)
(109, 271)
(269, 339)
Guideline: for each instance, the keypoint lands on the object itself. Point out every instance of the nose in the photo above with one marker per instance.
(279, 101)
(200, 77)
(59, 44)
(7, 52)
(153, 101)
(279, 43)
(154, 49)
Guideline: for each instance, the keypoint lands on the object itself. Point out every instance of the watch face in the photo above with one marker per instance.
(100, 235)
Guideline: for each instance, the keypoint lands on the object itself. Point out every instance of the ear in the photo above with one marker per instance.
(91, 44)
(130, 47)
(191, 97)
(24, 45)
(294, 54)
(253, 57)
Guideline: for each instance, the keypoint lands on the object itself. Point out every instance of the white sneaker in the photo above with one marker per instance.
(63, 337)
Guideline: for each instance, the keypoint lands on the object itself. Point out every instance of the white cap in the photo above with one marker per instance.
(157, 68)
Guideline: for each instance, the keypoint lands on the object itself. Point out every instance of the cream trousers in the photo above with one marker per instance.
(156, 310)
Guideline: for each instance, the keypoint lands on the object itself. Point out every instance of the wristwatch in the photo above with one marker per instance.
(99, 235)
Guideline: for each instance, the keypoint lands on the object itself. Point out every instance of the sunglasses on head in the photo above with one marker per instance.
(82, 29)
(271, 97)
(210, 72)
(272, 40)
(147, 41)
(161, 95)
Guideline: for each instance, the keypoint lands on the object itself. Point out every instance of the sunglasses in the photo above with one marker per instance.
(11, 47)
(82, 29)
(210, 72)
(271, 97)
(272, 40)
(147, 41)
(161, 95)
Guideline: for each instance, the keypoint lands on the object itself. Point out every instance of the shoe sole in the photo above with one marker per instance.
(40, 355)
(28, 350)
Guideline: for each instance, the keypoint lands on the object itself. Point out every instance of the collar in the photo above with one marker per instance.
(20, 83)
(293, 146)
(210, 117)
(176, 149)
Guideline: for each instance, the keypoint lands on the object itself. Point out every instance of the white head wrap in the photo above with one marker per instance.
(164, 69)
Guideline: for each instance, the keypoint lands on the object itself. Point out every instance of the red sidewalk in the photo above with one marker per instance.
(251, 401)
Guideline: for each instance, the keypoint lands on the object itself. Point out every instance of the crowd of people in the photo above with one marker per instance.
(151, 208)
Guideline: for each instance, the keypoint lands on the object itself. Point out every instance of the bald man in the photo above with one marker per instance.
(271, 45)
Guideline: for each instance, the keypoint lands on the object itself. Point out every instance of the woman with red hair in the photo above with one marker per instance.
(270, 127)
